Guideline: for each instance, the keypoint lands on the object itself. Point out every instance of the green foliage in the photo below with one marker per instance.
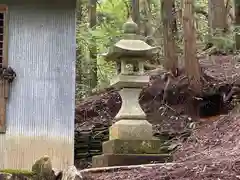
(18, 172)
(224, 43)
(111, 14)
(237, 2)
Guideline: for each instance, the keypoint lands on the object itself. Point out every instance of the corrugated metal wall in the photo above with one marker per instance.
(40, 111)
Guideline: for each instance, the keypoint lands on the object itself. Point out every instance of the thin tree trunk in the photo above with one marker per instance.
(191, 62)
(237, 22)
(135, 11)
(93, 79)
(79, 64)
(174, 21)
(147, 28)
(169, 35)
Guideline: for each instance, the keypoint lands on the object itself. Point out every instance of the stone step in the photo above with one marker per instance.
(128, 159)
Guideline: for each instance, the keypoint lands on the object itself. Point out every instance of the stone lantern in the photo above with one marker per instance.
(131, 137)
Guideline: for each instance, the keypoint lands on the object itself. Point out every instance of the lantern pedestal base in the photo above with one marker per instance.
(119, 152)
(128, 159)
(118, 146)
(131, 130)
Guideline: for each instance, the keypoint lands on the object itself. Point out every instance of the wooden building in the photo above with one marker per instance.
(37, 40)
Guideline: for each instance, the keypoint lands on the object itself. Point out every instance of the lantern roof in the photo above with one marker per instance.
(131, 45)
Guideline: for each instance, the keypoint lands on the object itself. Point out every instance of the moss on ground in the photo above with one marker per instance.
(18, 172)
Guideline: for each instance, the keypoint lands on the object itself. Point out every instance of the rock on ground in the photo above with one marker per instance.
(71, 173)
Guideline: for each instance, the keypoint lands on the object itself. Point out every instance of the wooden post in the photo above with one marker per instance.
(4, 85)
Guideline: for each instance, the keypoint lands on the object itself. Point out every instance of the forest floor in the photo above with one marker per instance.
(212, 152)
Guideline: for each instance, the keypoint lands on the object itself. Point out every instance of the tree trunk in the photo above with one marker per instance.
(169, 35)
(189, 33)
(146, 12)
(237, 22)
(135, 11)
(79, 64)
(93, 79)
(217, 15)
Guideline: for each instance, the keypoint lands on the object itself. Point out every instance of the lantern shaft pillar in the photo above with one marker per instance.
(131, 120)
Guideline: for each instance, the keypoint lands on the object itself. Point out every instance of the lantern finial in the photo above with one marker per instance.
(130, 27)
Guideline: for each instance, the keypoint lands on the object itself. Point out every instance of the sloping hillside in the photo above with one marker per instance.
(211, 153)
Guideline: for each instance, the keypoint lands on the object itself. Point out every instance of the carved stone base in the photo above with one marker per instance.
(131, 130)
(118, 146)
(128, 159)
